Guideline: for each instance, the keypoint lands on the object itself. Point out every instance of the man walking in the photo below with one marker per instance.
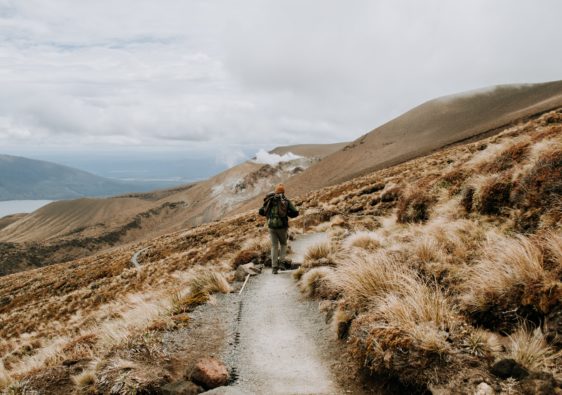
(277, 208)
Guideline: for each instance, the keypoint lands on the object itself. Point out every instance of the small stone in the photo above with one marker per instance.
(484, 389)
(210, 373)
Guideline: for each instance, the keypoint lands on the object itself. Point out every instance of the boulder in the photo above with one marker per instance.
(508, 367)
(210, 373)
(243, 270)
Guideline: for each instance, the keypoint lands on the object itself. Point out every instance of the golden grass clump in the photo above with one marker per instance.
(507, 264)
(314, 282)
(428, 249)
(363, 277)
(318, 254)
(420, 310)
(414, 206)
(368, 241)
(482, 343)
(84, 380)
(208, 281)
(5, 379)
(530, 349)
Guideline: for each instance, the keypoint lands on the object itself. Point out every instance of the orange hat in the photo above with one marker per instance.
(280, 188)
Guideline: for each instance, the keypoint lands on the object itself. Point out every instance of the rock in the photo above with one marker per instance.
(506, 368)
(182, 388)
(210, 373)
(484, 389)
(244, 270)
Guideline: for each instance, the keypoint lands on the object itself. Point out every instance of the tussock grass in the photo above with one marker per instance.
(530, 348)
(207, 281)
(553, 244)
(363, 277)
(507, 263)
(482, 343)
(312, 281)
(5, 378)
(85, 379)
(368, 241)
(317, 251)
(428, 249)
(417, 304)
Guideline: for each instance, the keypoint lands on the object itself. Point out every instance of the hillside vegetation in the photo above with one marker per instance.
(439, 272)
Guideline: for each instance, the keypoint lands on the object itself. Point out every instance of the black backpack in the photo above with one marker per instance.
(276, 209)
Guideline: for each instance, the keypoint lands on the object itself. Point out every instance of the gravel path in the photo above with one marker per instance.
(278, 353)
(279, 335)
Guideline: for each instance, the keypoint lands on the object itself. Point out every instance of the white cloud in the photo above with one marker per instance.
(176, 73)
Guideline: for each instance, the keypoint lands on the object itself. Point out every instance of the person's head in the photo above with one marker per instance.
(280, 188)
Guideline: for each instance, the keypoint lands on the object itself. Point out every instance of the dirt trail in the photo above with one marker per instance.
(277, 350)
(280, 337)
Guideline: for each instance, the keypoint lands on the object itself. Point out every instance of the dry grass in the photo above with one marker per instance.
(363, 277)
(368, 241)
(317, 253)
(420, 310)
(507, 264)
(209, 281)
(482, 343)
(414, 206)
(428, 249)
(530, 349)
(5, 378)
(85, 380)
(313, 281)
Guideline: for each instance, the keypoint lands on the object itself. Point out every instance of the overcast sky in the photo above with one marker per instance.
(240, 75)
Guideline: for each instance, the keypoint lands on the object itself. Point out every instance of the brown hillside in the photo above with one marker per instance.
(436, 270)
(429, 127)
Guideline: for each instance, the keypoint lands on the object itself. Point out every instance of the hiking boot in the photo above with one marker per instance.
(285, 265)
(275, 270)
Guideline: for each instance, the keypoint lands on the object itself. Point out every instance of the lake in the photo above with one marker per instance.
(21, 206)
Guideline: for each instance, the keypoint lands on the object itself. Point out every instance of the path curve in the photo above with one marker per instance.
(135, 258)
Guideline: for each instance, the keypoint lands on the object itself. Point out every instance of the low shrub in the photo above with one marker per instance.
(493, 195)
(506, 159)
(414, 207)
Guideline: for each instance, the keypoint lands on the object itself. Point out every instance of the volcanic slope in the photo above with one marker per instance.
(66, 230)
(428, 127)
(440, 272)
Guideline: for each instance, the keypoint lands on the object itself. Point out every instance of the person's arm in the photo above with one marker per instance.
(292, 211)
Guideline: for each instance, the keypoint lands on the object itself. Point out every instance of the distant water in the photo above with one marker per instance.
(21, 206)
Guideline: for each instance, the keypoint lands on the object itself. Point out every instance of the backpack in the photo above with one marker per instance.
(276, 210)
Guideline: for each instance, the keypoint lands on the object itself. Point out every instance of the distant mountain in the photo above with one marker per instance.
(22, 178)
(429, 127)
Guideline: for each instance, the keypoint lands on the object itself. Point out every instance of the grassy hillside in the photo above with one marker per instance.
(437, 269)
(429, 127)
(67, 230)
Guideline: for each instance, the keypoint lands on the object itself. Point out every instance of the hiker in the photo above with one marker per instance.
(277, 208)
